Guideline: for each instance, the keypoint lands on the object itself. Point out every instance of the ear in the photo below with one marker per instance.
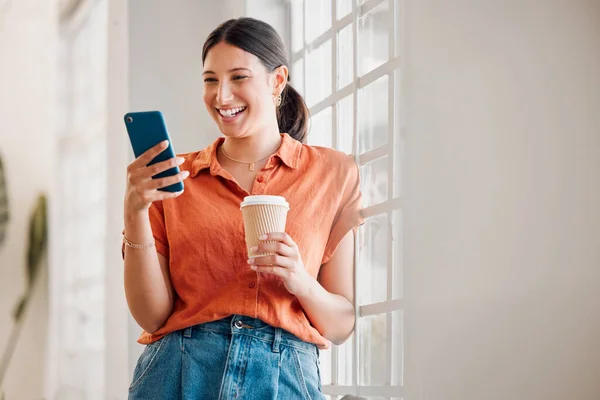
(280, 78)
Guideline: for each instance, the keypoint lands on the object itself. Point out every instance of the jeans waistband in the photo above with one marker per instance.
(243, 325)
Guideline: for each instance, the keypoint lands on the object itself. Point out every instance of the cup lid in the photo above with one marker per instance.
(264, 199)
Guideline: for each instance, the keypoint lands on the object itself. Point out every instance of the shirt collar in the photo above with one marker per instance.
(288, 152)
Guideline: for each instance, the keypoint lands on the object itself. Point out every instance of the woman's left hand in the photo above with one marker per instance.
(286, 263)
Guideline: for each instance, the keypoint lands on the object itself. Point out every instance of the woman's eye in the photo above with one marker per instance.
(239, 77)
(209, 80)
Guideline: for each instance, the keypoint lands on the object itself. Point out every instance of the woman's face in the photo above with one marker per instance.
(239, 91)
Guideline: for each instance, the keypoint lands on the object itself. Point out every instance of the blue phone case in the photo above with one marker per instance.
(146, 129)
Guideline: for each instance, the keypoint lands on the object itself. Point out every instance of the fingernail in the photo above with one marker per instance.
(254, 249)
(165, 143)
(253, 267)
(186, 174)
(179, 160)
(263, 237)
(251, 261)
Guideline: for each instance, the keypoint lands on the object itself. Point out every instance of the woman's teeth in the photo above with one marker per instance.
(231, 111)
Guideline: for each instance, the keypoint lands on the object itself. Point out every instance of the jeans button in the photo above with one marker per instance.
(238, 324)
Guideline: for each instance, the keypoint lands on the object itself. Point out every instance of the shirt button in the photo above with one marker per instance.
(239, 324)
(260, 179)
(251, 285)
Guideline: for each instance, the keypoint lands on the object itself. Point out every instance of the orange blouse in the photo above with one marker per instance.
(201, 233)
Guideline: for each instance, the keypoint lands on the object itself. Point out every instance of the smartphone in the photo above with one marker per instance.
(146, 129)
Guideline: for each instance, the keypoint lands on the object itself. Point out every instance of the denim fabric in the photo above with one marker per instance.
(234, 358)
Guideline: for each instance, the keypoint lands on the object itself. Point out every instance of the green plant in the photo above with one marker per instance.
(38, 238)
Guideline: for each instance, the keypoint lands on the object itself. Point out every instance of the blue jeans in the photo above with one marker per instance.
(234, 358)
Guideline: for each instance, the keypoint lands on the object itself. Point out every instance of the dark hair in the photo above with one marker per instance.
(261, 39)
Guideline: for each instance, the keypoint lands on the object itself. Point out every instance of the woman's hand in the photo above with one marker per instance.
(141, 189)
(286, 263)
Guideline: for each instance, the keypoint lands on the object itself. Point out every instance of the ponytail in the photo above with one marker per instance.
(293, 115)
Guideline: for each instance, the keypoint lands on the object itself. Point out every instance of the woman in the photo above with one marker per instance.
(218, 325)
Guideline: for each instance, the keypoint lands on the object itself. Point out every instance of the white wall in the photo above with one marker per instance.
(118, 370)
(274, 12)
(502, 216)
(28, 40)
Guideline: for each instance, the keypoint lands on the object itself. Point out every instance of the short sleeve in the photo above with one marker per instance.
(157, 223)
(348, 216)
(159, 231)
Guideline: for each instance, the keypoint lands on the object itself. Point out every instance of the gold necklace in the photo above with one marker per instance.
(250, 163)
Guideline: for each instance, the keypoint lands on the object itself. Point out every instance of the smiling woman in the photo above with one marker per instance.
(249, 328)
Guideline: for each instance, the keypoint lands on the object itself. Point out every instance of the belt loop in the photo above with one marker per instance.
(277, 340)
(187, 332)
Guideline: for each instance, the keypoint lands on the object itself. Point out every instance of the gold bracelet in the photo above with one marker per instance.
(128, 243)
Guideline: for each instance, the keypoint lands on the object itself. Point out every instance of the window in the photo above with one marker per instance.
(346, 61)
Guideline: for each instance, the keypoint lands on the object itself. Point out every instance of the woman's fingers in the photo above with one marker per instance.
(158, 183)
(272, 260)
(272, 269)
(162, 195)
(279, 237)
(276, 247)
(162, 166)
(144, 159)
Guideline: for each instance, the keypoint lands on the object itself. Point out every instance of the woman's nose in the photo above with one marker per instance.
(224, 94)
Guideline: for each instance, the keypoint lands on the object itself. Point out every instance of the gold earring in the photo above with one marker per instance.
(277, 100)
